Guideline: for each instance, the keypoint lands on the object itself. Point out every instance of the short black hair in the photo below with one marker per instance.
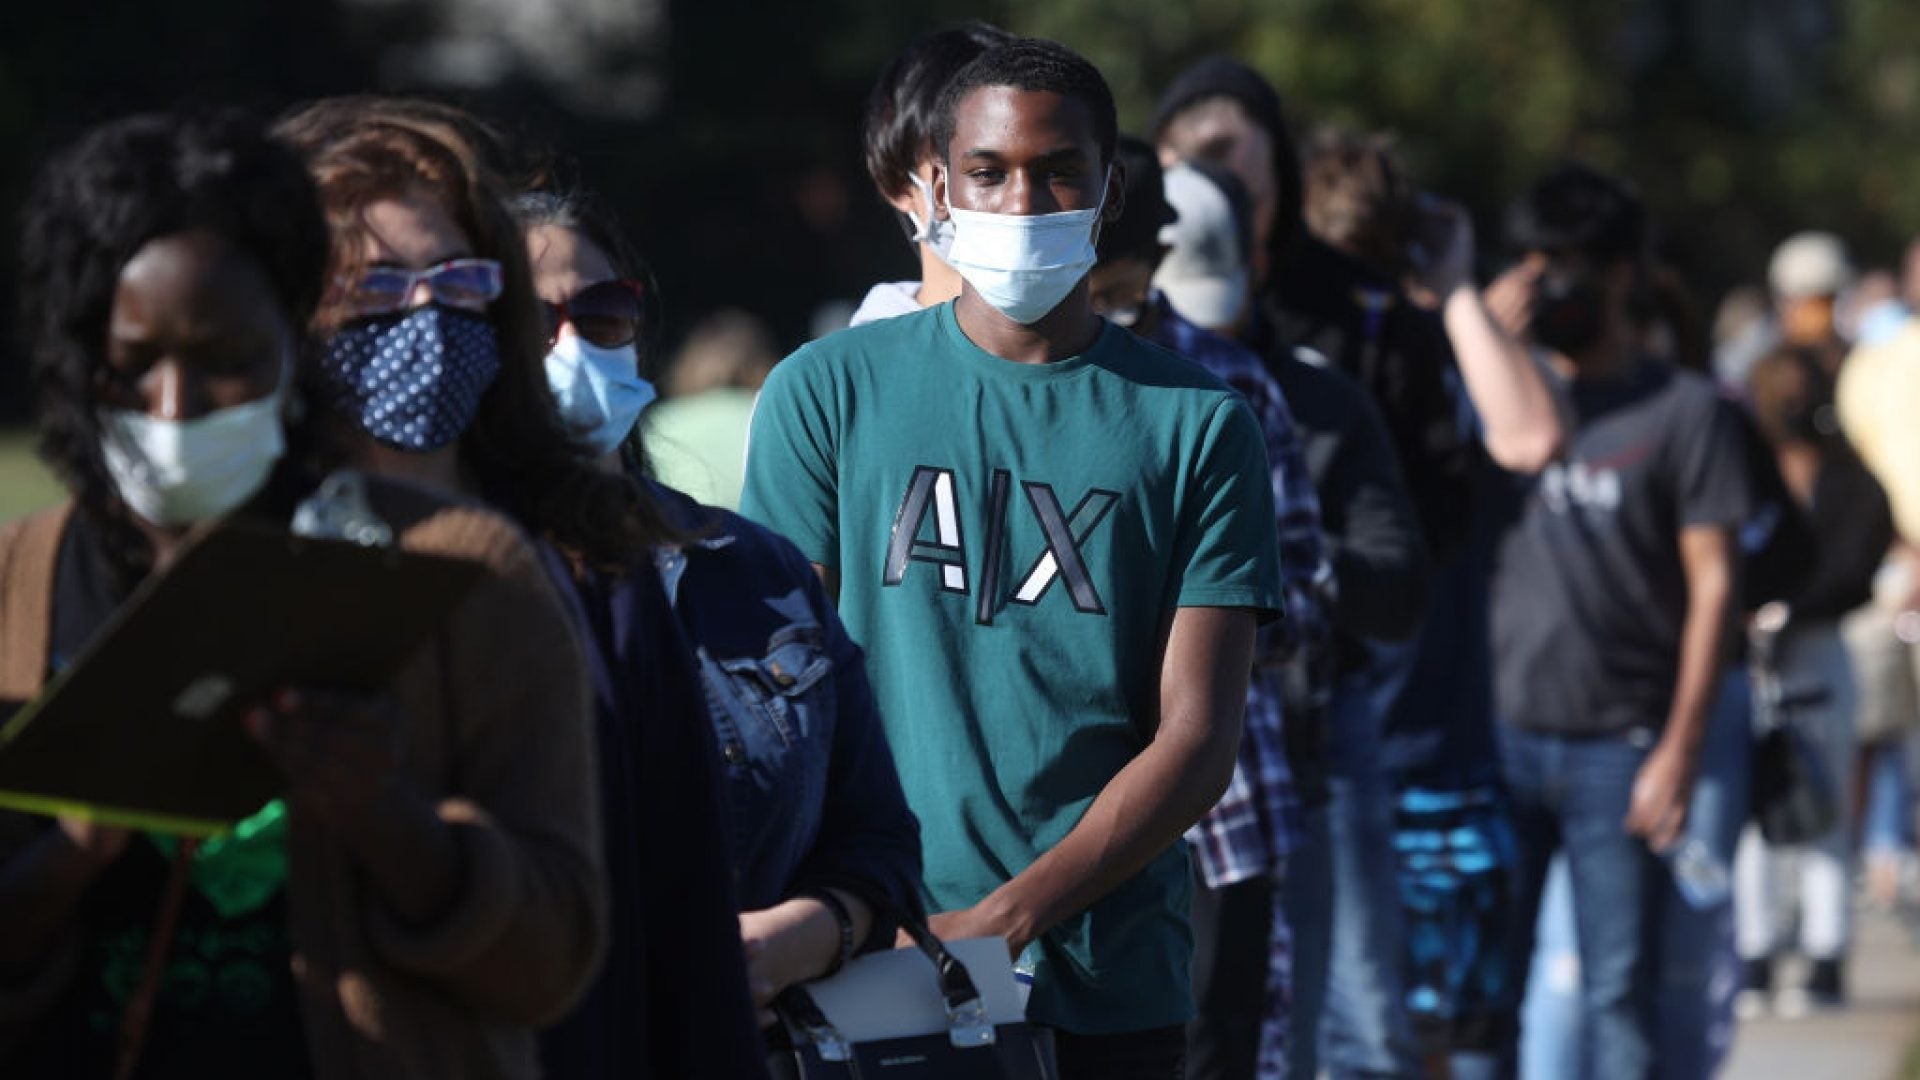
(904, 107)
(1136, 234)
(97, 203)
(1032, 65)
(1578, 209)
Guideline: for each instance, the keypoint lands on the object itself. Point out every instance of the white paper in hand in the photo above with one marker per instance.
(894, 994)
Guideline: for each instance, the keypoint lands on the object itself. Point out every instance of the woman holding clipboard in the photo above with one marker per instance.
(429, 888)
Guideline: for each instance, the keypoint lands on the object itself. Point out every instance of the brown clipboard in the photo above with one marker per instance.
(144, 730)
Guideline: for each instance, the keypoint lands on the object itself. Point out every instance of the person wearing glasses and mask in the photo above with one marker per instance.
(428, 888)
(823, 845)
(1056, 542)
(413, 200)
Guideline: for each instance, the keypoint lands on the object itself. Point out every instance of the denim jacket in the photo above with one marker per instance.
(814, 797)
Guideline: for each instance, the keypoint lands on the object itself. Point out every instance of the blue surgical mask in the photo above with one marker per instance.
(599, 390)
(414, 381)
(1024, 264)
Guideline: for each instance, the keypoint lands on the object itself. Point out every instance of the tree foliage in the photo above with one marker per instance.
(1741, 120)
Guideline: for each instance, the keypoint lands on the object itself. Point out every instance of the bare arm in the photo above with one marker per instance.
(796, 940)
(1520, 426)
(1664, 787)
(1151, 802)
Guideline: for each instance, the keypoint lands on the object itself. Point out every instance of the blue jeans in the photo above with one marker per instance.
(1573, 794)
(1698, 963)
(1365, 1029)
(1308, 889)
(1887, 825)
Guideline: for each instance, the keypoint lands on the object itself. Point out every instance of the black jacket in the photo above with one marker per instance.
(1399, 353)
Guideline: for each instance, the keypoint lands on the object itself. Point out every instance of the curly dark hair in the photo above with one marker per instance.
(1031, 65)
(364, 149)
(903, 108)
(93, 206)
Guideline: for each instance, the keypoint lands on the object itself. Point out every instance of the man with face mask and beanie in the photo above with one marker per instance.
(1613, 589)
(1056, 542)
(1316, 296)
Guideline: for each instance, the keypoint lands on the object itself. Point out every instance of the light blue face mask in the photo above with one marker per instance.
(599, 390)
(1024, 264)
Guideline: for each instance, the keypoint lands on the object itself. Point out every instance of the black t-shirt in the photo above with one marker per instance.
(1589, 595)
(227, 1004)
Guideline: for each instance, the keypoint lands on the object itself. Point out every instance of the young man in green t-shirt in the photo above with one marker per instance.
(1055, 541)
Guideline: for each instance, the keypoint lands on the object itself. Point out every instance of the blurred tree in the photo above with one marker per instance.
(725, 133)
(1741, 120)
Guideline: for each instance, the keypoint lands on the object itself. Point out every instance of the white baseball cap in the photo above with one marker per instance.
(1810, 264)
(1204, 276)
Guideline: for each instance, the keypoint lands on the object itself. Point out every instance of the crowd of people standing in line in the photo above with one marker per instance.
(1194, 578)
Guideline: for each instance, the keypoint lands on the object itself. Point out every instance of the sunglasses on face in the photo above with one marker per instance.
(467, 284)
(607, 314)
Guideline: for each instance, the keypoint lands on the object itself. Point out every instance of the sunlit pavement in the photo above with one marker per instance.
(1869, 1040)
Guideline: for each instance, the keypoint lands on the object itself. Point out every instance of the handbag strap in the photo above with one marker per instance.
(967, 1022)
(134, 1022)
(804, 1013)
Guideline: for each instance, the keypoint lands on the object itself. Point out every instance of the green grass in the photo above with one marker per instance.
(25, 484)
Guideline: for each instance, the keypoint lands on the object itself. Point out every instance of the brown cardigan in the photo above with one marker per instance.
(501, 735)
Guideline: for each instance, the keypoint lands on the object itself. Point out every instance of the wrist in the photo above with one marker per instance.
(840, 924)
(1682, 741)
(1014, 915)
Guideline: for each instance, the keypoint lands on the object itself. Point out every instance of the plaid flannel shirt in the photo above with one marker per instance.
(1245, 835)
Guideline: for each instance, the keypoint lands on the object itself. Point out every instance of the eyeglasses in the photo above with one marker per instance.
(609, 314)
(468, 284)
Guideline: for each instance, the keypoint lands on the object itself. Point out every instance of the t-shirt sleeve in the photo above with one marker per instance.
(1712, 484)
(793, 480)
(1228, 552)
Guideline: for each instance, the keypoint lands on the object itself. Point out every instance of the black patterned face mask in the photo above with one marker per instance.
(1568, 313)
(414, 381)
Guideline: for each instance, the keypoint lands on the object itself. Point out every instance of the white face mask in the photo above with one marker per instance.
(176, 472)
(599, 390)
(933, 232)
(1024, 264)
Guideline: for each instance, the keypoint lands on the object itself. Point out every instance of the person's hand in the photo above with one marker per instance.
(1510, 299)
(1442, 247)
(339, 751)
(777, 948)
(975, 922)
(100, 845)
(1662, 793)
